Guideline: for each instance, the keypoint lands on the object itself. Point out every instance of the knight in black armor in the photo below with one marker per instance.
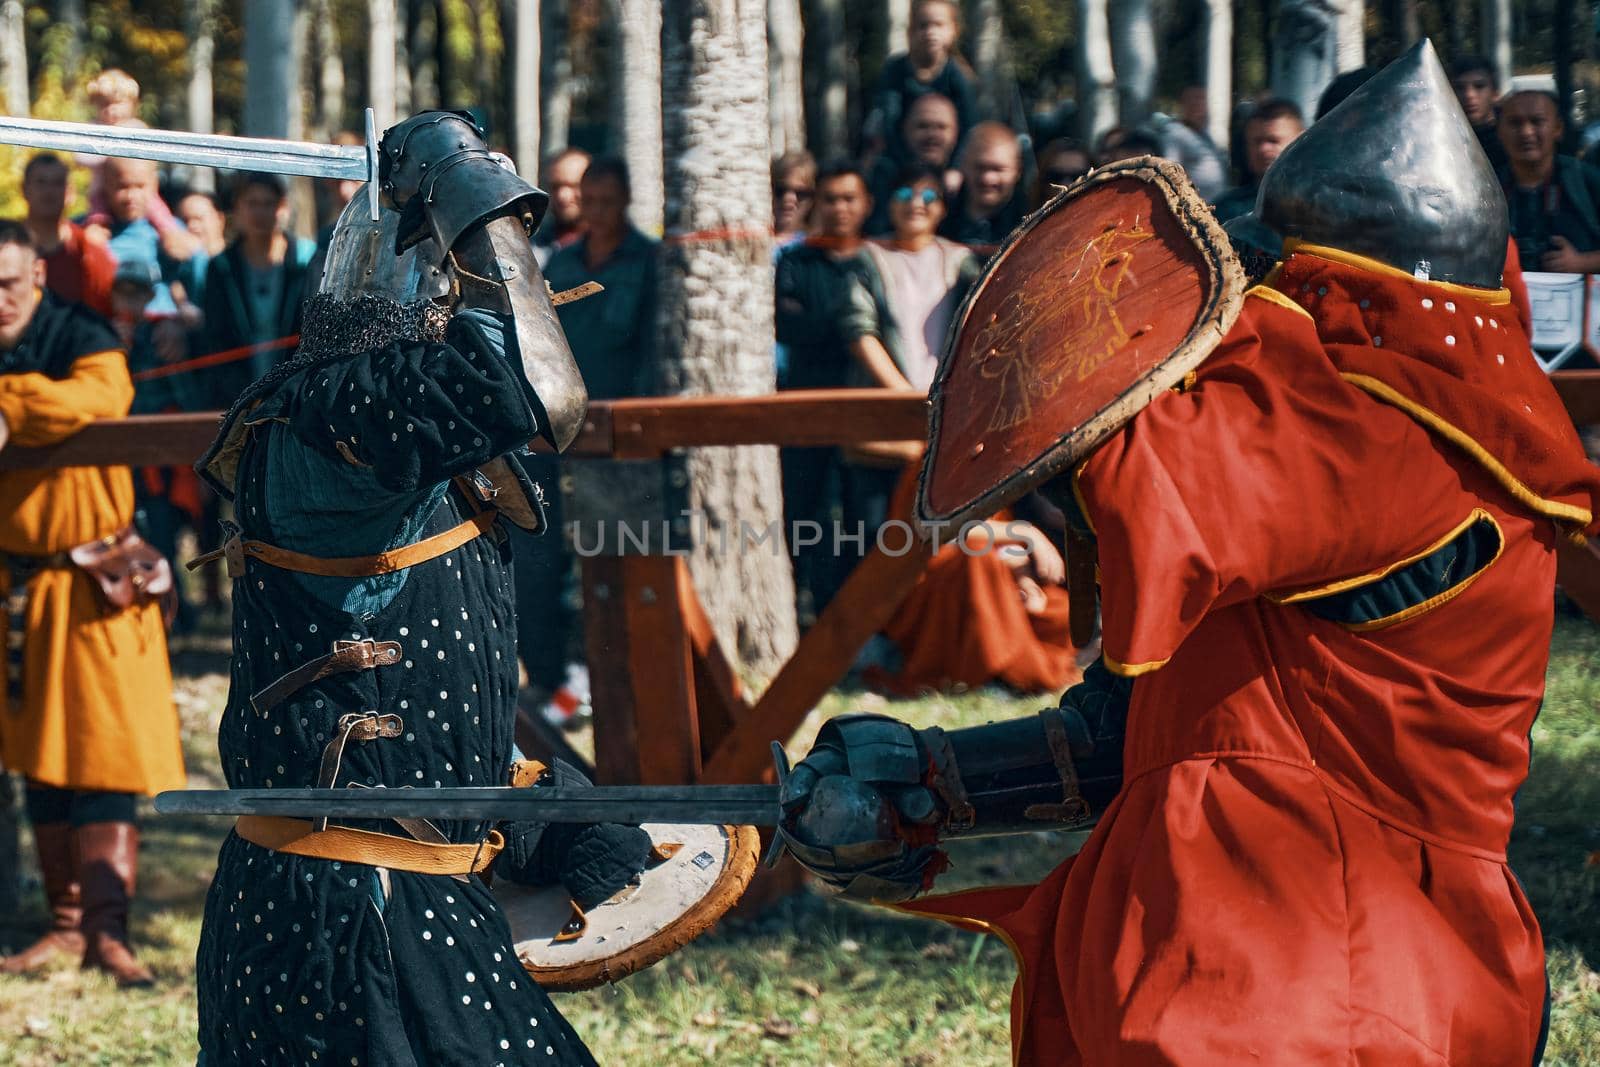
(374, 636)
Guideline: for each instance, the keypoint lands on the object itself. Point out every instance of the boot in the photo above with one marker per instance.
(108, 862)
(59, 874)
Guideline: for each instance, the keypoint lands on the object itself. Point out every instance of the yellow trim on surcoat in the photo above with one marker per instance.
(1555, 509)
(1353, 259)
(1131, 670)
(1277, 296)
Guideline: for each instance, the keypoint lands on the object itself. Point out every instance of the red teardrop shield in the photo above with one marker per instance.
(1109, 294)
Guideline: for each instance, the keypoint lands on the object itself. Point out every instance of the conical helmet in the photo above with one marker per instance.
(1395, 173)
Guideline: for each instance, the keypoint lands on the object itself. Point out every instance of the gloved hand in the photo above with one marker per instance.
(592, 861)
(859, 812)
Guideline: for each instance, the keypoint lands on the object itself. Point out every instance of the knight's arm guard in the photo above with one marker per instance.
(868, 806)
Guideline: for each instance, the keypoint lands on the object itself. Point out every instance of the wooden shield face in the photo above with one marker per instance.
(1106, 296)
(674, 902)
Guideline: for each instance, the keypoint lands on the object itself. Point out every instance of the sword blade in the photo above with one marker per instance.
(742, 805)
(354, 162)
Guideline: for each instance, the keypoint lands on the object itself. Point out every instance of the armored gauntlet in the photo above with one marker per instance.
(869, 805)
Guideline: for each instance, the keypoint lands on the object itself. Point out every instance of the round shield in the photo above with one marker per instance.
(699, 873)
(1102, 299)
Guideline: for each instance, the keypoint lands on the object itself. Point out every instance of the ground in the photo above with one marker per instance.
(813, 981)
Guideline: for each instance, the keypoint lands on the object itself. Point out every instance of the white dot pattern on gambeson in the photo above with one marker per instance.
(341, 951)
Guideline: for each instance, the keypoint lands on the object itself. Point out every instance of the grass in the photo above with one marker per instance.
(813, 980)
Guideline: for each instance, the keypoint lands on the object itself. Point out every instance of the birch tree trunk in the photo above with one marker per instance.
(1351, 49)
(1496, 16)
(827, 76)
(14, 58)
(69, 13)
(988, 36)
(716, 304)
(1133, 57)
(1306, 50)
(202, 28)
(329, 65)
(272, 105)
(786, 98)
(897, 14)
(525, 88)
(1097, 88)
(1216, 67)
(381, 30)
(555, 95)
(636, 106)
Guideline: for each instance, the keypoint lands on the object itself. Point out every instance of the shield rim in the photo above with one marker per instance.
(744, 849)
(1213, 322)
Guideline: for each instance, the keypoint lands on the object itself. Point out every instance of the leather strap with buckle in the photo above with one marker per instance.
(236, 550)
(346, 656)
(298, 838)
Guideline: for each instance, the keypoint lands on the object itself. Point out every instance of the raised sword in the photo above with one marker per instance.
(305, 158)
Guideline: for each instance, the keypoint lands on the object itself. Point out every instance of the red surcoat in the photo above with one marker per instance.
(1306, 864)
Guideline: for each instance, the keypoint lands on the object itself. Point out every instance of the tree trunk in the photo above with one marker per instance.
(329, 63)
(525, 88)
(715, 291)
(555, 93)
(14, 58)
(786, 97)
(404, 102)
(1496, 16)
(1403, 23)
(1563, 70)
(1306, 50)
(272, 105)
(897, 16)
(636, 106)
(1133, 55)
(1216, 67)
(988, 36)
(202, 28)
(421, 51)
(69, 14)
(1097, 87)
(380, 62)
(827, 78)
(1351, 50)
(444, 65)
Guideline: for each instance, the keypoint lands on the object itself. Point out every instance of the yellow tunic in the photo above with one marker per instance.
(97, 710)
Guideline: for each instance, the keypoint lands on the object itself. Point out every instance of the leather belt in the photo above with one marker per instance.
(236, 551)
(346, 656)
(297, 838)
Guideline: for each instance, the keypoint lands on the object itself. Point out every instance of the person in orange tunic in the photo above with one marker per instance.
(1327, 566)
(89, 719)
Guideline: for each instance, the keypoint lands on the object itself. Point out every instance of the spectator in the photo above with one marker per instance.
(1552, 198)
(333, 195)
(932, 130)
(201, 217)
(130, 190)
(255, 288)
(794, 184)
(925, 278)
(930, 64)
(563, 219)
(114, 95)
(1188, 143)
(610, 333)
(1267, 132)
(1131, 144)
(1341, 87)
(1478, 88)
(612, 338)
(817, 282)
(988, 207)
(77, 269)
(1061, 162)
(89, 720)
